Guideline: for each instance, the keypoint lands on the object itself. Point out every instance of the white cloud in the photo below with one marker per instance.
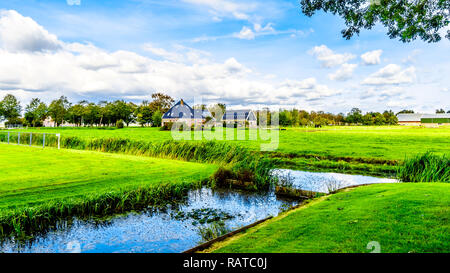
(226, 8)
(84, 70)
(328, 58)
(372, 57)
(19, 33)
(391, 74)
(344, 73)
(246, 33)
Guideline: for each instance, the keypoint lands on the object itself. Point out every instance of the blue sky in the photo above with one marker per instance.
(245, 53)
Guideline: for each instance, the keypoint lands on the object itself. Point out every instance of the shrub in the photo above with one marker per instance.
(120, 124)
(426, 167)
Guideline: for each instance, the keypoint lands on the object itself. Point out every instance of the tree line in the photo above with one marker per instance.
(85, 113)
(149, 113)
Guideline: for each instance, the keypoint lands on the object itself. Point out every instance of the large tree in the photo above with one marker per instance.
(58, 110)
(161, 102)
(406, 20)
(10, 108)
(36, 112)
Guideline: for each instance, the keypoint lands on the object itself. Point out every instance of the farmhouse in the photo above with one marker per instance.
(182, 112)
(240, 117)
(424, 119)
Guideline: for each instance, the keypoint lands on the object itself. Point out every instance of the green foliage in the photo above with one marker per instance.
(156, 118)
(406, 20)
(426, 167)
(10, 109)
(120, 124)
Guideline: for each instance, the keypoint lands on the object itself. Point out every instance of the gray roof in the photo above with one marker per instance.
(419, 117)
(183, 110)
(239, 115)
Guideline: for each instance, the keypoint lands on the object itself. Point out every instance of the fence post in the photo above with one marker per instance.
(59, 141)
(8, 137)
(31, 138)
(18, 139)
(43, 141)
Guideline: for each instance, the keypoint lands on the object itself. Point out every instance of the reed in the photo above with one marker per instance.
(427, 167)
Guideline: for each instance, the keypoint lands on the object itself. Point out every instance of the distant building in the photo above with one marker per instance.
(49, 122)
(2, 124)
(240, 117)
(182, 112)
(424, 119)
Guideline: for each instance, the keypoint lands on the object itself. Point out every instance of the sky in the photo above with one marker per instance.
(247, 54)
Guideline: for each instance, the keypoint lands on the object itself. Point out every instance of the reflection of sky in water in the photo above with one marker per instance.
(323, 182)
(155, 232)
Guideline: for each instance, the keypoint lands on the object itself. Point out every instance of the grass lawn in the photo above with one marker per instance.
(381, 142)
(410, 217)
(32, 176)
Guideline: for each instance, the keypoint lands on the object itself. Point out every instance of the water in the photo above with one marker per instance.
(171, 230)
(327, 182)
(155, 231)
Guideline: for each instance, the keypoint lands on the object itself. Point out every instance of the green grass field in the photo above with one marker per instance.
(371, 150)
(32, 176)
(382, 142)
(400, 217)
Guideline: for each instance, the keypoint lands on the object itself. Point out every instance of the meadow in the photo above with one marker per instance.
(373, 150)
(404, 218)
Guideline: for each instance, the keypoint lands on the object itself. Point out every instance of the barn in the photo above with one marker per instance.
(424, 119)
(241, 118)
(182, 112)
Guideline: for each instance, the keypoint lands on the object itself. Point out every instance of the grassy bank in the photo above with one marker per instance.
(40, 186)
(400, 217)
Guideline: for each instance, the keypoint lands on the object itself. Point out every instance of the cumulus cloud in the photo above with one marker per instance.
(372, 57)
(328, 58)
(84, 70)
(19, 33)
(344, 73)
(391, 74)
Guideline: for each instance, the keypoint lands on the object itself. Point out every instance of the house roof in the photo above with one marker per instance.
(183, 110)
(419, 117)
(239, 115)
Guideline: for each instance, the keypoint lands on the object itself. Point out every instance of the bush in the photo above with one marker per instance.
(120, 124)
(426, 167)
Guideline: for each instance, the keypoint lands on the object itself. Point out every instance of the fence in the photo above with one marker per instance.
(31, 139)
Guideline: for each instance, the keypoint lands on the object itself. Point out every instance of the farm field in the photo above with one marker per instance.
(381, 142)
(32, 176)
(371, 150)
(412, 217)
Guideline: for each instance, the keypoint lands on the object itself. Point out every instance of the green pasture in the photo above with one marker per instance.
(400, 217)
(368, 142)
(31, 176)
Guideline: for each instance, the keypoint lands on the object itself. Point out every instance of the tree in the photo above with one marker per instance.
(144, 114)
(217, 111)
(161, 102)
(156, 119)
(440, 111)
(355, 116)
(10, 108)
(406, 20)
(406, 112)
(58, 110)
(36, 112)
